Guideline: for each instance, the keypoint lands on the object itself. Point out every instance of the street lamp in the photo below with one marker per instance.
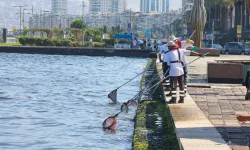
(42, 11)
(20, 15)
(23, 15)
(82, 10)
(213, 20)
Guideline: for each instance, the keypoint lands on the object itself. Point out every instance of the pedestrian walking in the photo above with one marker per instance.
(155, 46)
(175, 58)
(134, 43)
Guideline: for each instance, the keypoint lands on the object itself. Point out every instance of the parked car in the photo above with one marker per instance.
(216, 46)
(237, 48)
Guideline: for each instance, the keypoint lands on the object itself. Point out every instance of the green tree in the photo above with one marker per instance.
(58, 33)
(78, 24)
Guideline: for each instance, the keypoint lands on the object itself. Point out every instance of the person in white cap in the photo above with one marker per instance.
(164, 50)
(175, 60)
(187, 45)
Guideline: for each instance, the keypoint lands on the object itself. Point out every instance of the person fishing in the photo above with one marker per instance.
(181, 45)
(188, 46)
(175, 61)
(178, 44)
(162, 57)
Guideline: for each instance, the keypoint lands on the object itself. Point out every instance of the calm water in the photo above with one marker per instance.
(60, 102)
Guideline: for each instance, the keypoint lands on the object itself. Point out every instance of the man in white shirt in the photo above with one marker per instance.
(175, 60)
(162, 56)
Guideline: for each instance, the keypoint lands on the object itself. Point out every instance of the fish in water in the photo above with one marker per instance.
(109, 123)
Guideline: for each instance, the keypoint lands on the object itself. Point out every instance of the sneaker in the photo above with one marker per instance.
(169, 94)
(181, 101)
(172, 101)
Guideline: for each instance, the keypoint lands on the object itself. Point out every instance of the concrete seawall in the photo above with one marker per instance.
(79, 51)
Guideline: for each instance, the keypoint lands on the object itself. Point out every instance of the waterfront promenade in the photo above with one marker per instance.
(207, 120)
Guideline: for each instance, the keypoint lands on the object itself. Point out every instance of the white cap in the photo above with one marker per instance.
(171, 43)
(172, 38)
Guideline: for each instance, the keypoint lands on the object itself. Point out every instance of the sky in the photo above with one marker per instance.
(135, 4)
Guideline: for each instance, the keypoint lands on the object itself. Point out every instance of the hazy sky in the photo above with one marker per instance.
(135, 4)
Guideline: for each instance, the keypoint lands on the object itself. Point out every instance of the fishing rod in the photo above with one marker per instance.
(112, 124)
(133, 101)
(190, 37)
(134, 77)
(113, 95)
(168, 75)
(140, 92)
(197, 58)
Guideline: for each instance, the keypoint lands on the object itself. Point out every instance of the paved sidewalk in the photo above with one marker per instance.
(221, 105)
(193, 129)
(221, 102)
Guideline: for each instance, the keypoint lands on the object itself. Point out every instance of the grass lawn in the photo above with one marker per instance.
(10, 44)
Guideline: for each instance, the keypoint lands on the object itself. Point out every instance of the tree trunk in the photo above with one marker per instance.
(237, 20)
(221, 21)
(243, 15)
(231, 17)
(247, 20)
(225, 19)
(198, 21)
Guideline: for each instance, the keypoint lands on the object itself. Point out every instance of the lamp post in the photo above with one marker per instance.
(24, 16)
(82, 10)
(44, 17)
(23, 20)
(42, 11)
(213, 20)
(20, 15)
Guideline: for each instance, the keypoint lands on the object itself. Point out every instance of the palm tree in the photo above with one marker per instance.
(224, 7)
(217, 11)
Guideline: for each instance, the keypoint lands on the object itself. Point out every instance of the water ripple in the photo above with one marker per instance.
(59, 102)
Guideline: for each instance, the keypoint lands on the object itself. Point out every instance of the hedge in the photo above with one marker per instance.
(34, 41)
(94, 44)
(109, 42)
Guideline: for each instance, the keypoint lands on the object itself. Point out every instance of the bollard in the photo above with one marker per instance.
(4, 35)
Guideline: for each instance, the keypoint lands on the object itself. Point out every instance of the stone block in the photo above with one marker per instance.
(214, 110)
(224, 72)
(212, 51)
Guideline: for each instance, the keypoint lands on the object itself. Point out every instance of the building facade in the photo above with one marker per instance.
(94, 6)
(160, 6)
(122, 5)
(59, 12)
(59, 7)
(107, 6)
(187, 5)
